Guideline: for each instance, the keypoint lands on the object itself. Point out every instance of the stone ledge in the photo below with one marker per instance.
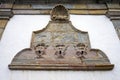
(6, 6)
(82, 67)
(50, 6)
(47, 12)
(6, 10)
(31, 12)
(73, 8)
(113, 6)
(88, 12)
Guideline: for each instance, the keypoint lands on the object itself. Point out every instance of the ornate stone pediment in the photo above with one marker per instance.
(60, 46)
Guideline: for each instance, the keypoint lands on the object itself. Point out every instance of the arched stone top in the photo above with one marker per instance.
(59, 12)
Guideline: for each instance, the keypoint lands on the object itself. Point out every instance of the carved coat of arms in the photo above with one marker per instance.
(60, 46)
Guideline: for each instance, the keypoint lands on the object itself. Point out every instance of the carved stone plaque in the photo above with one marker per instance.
(60, 46)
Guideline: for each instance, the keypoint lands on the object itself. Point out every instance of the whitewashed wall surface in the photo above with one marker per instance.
(17, 36)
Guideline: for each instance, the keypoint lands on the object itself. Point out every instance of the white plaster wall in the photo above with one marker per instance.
(17, 36)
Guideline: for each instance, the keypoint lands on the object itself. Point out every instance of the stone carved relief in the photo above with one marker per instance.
(40, 50)
(60, 51)
(60, 46)
(81, 50)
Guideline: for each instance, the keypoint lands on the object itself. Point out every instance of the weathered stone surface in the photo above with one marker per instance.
(55, 1)
(97, 12)
(113, 5)
(78, 11)
(6, 6)
(60, 46)
(71, 11)
(114, 12)
(91, 12)
(6, 10)
(116, 24)
(97, 9)
(1, 32)
(22, 6)
(114, 15)
(118, 31)
(75, 8)
(32, 12)
(3, 23)
(96, 6)
(5, 17)
(80, 6)
(5, 14)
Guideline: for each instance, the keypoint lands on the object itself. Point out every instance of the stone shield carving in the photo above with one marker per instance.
(60, 46)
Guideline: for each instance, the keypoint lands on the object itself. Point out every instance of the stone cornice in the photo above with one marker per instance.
(113, 11)
(7, 10)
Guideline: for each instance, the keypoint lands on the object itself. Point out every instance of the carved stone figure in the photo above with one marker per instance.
(40, 50)
(81, 50)
(60, 51)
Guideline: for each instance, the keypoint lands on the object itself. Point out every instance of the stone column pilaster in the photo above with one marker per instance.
(5, 15)
(114, 15)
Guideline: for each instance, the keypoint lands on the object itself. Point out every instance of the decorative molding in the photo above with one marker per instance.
(114, 15)
(5, 15)
(73, 8)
